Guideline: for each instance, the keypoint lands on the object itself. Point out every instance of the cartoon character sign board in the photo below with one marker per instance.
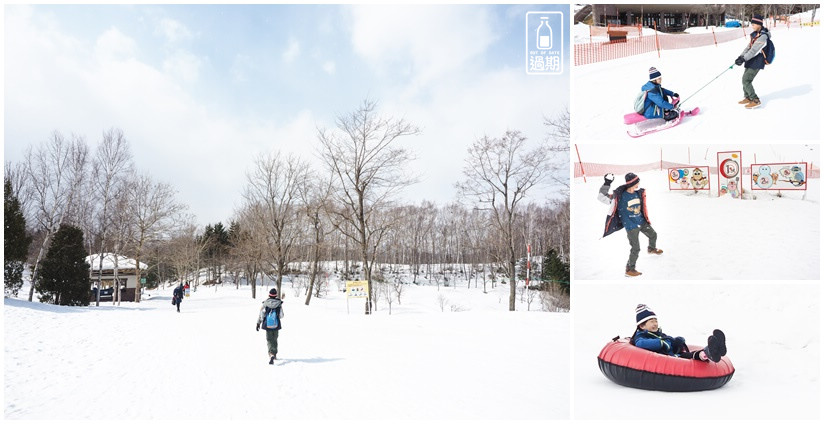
(729, 174)
(691, 178)
(779, 176)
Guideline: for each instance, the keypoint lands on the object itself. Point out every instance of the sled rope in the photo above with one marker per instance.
(705, 86)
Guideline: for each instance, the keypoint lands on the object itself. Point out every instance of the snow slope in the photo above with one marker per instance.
(703, 237)
(790, 90)
(146, 361)
(773, 338)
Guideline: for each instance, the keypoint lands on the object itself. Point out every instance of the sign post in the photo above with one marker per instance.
(358, 289)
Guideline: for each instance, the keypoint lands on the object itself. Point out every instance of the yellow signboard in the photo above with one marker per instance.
(359, 289)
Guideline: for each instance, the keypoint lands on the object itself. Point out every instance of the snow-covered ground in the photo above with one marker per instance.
(773, 338)
(790, 90)
(704, 237)
(146, 361)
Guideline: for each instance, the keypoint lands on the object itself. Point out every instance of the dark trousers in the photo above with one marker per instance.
(746, 80)
(272, 342)
(635, 245)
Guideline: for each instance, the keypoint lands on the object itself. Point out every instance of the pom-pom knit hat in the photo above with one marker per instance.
(273, 293)
(653, 73)
(643, 314)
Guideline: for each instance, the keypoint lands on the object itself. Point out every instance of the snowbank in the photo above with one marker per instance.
(146, 361)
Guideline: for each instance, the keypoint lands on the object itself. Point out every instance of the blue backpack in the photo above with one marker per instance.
(271, 321)
(769, 51)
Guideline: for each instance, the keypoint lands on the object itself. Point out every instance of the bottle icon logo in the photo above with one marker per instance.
(544, 34)
(544, 43)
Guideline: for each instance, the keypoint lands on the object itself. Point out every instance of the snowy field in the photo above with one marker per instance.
(704, 237)
(790, 90)
(773, 339)
(146, 361)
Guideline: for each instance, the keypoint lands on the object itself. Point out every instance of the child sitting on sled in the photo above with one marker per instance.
(650, 337)
(659, 102)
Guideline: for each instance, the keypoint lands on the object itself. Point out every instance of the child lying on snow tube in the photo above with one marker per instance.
(652, 360)
(648, 336)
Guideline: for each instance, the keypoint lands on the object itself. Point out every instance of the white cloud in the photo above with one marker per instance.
(183, 65)
(173, 30)
(292, 51)
(434, 41)
(114, 45)
(329, 67)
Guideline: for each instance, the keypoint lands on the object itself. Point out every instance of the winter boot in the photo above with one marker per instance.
(744, 101)
(722, 339)
(271, 359)
(753, 104)
(652, 250)
(713, 349)
(632, 273)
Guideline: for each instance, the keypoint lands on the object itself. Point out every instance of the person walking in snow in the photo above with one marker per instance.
(269, 318)
(650, 337)
(659, 102)
(753, 60)
(177, 296)
(629, 211)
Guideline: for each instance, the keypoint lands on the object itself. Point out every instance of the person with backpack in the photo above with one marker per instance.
(754, 57)
(177, 296)
(655, 101)
(269, 318)
(629, 211)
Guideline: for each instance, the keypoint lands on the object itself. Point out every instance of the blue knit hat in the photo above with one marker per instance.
(631, 179)
(653, 73)
(643, 314)
(758, 19)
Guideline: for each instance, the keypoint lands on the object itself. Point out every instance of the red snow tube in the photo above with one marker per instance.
(632, 366)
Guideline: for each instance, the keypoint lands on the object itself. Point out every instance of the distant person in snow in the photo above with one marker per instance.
(629, 211)
(177, 296)
(269, 318)
(650, 337)
(753, 60)
(659, 102)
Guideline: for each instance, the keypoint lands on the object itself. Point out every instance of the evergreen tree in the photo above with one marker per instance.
(15, 241)
(555, 270)
(64, 279)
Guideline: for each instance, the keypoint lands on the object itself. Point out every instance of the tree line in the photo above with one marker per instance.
(293, 218)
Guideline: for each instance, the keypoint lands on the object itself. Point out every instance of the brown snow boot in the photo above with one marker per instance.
(652, 250)
(744, 101)
(753, 104)
(632, 273)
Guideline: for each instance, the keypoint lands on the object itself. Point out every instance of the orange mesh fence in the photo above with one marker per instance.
(600, 169)
(593, 52)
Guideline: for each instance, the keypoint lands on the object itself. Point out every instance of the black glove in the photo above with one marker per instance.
(675, 95)
(257, 327)
(739, 61)
(608, 179)
(679, 345)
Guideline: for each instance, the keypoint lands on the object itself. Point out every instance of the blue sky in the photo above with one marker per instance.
(200, 91)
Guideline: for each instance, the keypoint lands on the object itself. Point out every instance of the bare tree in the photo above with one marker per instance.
(274, 184)
(315, 197)
(112, 163)
(499, 173)
(55, 171)
(368, 169)
(247, 244)
(155, 212)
